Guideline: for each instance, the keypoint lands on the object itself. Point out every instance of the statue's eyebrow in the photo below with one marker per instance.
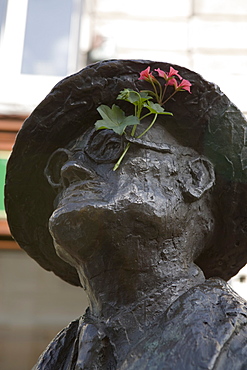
(163, 148)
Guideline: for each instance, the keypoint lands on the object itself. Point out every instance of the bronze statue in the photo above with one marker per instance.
(152, 242)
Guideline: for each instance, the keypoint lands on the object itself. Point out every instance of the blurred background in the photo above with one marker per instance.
(41, 42)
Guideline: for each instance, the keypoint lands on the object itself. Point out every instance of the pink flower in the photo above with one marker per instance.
(184, 85)
(161, 73)
(146, 75)
(172, 82)
(173, 72)
(169, 75)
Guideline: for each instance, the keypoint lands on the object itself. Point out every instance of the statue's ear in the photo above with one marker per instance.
(53, 168)
(201, 178)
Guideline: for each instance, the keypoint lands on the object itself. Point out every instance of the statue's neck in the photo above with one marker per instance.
(142, 295)
(124, 320)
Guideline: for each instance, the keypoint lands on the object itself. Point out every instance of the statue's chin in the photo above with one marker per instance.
(77, 230)
(87, 231)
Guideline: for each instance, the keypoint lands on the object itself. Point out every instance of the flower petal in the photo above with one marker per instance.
(172, 82)
(184, 85)
(146, 75)
(173, 72)
(161, 73)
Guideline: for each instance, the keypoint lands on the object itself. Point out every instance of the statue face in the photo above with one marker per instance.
(99, 210)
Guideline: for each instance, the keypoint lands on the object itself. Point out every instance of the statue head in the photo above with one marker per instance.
(184, 181)
(155, 207)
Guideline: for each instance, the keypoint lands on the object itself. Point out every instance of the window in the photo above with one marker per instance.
(47, 38)
(39, 46)
(3, 8)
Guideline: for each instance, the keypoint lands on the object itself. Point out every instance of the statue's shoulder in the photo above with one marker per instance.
(205, 328)
(232, 329)
(62, 351)
(200, 330)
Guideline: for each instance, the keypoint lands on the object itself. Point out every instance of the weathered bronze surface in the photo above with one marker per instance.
(152, 242)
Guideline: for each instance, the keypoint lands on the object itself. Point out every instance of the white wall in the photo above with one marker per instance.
(208, 36)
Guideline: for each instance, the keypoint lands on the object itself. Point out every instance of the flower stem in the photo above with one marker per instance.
(155, 90)
(146, 115)
(148, 128)
(159, 98)
(121, 157)
(163, 95)
(117, 164)
(169, 97)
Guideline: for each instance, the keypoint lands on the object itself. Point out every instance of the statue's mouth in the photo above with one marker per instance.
(79, 191)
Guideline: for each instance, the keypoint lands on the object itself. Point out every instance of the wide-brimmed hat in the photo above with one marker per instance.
(204, 120)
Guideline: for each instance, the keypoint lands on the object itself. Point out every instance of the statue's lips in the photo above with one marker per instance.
(83, 189)
(83, 193)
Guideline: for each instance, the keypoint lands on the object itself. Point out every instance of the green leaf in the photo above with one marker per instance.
(156, 108)
(129, 95)
(114, 119)
(133, 96)
(145, 96)
(149, 92)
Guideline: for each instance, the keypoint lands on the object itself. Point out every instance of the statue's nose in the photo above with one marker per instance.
(73, 171)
